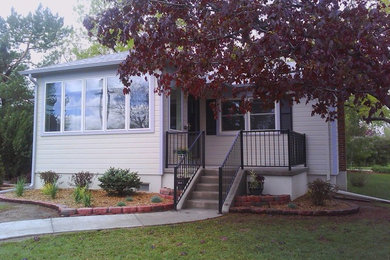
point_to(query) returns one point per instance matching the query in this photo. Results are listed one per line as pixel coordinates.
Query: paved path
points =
(360, 196)
(18, 211)
(23, 228)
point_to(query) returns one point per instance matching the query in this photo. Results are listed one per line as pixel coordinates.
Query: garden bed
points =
(101, 202)
(300, 206)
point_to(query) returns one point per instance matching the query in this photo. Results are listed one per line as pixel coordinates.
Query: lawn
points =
(378, 185)
(235, 236)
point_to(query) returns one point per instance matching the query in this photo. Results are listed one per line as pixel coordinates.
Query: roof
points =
(98, 61)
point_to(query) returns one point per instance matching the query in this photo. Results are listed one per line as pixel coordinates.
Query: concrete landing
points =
(24, 228)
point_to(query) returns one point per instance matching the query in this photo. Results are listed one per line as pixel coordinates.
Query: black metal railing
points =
(260, 148)
(188, 164)
(297, 149)
(176, 145)
(229, 168)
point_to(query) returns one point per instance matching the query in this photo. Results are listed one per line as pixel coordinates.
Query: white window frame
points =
(181, 113)
(246, 119)
(152, 82)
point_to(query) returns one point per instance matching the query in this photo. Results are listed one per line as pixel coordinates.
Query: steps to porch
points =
(205, 193)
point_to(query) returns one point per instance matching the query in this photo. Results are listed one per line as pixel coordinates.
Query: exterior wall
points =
(68, 154)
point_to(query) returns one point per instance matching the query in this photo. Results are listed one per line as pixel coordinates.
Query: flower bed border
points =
(261, 200)
(64, 211)
(352, 209)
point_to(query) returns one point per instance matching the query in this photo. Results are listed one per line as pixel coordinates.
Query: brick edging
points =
(66, 212)
(270, 211)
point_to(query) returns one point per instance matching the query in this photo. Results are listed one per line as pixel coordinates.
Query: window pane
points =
(115, 104)
(257, 107)
(231, 123)
(53, 107)
(94, 104)
(73, 105)
(139, 103)
(175, 109)
(262, 122)
(231, 107)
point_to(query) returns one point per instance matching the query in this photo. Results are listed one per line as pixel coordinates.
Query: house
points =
(83, 122)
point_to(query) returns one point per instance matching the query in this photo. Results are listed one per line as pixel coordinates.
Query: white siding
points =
(317, 138)
(67, 154)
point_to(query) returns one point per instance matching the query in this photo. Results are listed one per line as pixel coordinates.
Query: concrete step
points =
(209, 179)
(206, 187)
(206, 195)
(210, 172)
(203, 204)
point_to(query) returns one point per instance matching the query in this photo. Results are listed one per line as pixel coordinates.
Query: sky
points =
(63, 8)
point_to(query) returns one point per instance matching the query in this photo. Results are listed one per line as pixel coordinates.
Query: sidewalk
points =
(35, 227)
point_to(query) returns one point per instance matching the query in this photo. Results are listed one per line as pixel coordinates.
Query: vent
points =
(144, 187)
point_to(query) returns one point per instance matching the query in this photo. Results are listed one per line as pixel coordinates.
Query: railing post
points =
(175, 188)
(166, 150)
(242, 149)
(304, 150)
(220, 190)
(289, 149)
(203, 150)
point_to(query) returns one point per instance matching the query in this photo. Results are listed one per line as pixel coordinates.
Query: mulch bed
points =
(301, 206)
(99, 198)
(102, 203)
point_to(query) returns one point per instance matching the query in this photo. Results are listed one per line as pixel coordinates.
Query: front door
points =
(193, 122)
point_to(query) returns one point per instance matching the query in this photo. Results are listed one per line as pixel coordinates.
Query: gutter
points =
(34, 131)
(329, 153)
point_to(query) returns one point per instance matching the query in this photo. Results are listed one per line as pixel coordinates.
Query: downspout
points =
(34, 131)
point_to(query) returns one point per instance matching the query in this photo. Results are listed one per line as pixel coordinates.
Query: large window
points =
(175, 106)
(53, 107)
(260, 117)
(96, 104)
(139, 103)
(232, 118)
(73, 90)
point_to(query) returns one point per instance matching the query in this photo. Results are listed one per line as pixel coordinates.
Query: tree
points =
(320, 50)
(20, 37)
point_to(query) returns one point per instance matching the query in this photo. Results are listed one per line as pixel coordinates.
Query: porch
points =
(200, 184)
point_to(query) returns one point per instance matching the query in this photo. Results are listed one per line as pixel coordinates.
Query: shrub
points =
(19, 188)
(292, 205)
(50, 189)
(381, 169)
(49, 177)
(121, 204)
(155, 199)
(78, 194)
(129, 198)
(358, 179)
(320, 191)
(82, 179)
(119, 182)
(86, 197)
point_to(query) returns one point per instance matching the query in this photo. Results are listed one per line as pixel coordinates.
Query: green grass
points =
(378, 185)
(236, 236)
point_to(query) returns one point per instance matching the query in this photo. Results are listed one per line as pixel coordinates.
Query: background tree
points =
(21, 37)
(322, 51)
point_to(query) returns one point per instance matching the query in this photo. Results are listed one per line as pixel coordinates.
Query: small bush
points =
(155, 199)
(49, 177)
(86, 197)
(320, 191)
(129, 198)
(358, 179)
(121, 204)
(50, 189)
(292, 205)
(82, 179)
(78, 194)
(19, 188)
(381, 169)
(119, 182)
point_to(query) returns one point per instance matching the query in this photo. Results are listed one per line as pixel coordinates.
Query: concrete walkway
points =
(35, 227)
(360, 196)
